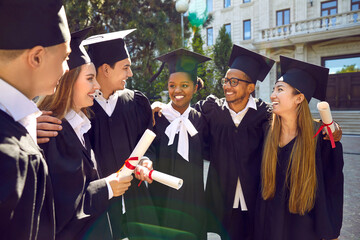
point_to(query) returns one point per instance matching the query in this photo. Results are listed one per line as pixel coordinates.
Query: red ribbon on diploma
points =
(149, 177)
(329, 131)
(128, 164)
(150, 174)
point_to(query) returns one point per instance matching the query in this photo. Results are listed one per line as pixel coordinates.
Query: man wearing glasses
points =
(236, 126)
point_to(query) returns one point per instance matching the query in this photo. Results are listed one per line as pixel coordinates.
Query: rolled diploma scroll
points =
(325, 114)
(163, 178)
(139, 151)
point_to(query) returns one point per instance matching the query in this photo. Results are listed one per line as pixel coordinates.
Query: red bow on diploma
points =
(329, 131)
(128, 164)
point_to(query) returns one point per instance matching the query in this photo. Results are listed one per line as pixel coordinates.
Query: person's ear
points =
(299, 98)
(251, 88)
(35, 56)
(105, 69)
(195, 88)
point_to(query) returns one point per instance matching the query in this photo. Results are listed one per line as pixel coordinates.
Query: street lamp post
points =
(181, 7)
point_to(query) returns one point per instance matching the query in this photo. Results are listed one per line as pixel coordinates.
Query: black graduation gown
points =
(26, 197)
(273, 219)
(113, 139)
(81, 198)
(181, 211)
(235, 152)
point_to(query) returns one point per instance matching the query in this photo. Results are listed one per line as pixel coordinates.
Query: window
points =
(209, 5)
(342, 64)
(209, 34)
(246, 1)
(247, 29)
(228, 29)
(329, 8)
(355, 5)
(227, 3)
(283, 18)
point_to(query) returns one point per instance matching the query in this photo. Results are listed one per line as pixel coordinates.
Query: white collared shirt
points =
(81, 125)
(107, 104)
(237, 118)
(179, 123)
(19, 107)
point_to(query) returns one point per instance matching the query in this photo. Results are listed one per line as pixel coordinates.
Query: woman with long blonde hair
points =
(81, 198)
(302, 179)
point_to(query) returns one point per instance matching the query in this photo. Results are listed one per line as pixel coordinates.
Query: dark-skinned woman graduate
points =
(81, 197)
(178, 150)
(302, 180)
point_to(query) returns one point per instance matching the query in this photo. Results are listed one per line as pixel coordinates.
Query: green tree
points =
(222, 51)
(349, 68)
(158, 31)
(203, 69)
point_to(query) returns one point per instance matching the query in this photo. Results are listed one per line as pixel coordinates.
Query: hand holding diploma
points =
(328, 124)
(139, 172)
(163, 178)
(138, 152)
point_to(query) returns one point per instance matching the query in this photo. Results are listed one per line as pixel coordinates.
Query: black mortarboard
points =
(78, 55)
(25, 24)
(108, 48)
(309, 79)
(256, 66)
(182, 60)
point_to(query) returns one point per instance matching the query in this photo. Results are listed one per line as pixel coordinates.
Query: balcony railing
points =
(312, 25)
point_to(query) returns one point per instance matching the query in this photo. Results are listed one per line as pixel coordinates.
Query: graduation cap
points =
(108, 48)
(256, 66)
(181, 60)
(78, 55)
(25, 24)
(309, 79)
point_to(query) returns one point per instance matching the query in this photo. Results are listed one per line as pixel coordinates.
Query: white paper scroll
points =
(139, 151)
(163, 178)
(325, 114)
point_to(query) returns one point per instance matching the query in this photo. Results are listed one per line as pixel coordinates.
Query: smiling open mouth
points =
(179, 97)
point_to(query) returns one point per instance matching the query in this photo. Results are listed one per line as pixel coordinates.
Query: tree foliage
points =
(204, 71)
(349, 68)
(158, 31)
(222, 51)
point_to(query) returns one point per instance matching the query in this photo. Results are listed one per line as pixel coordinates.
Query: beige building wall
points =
(306, 37)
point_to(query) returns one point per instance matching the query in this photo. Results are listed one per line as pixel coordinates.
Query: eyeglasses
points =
(233, 81)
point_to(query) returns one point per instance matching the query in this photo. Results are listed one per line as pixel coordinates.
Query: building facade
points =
(321, 32)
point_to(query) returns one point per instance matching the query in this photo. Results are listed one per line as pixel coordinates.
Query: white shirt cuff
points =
(110, 191)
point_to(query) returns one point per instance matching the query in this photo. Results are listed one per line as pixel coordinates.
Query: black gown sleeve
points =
(143, 111)
(332, 178)
(80, 197)
(12, 178)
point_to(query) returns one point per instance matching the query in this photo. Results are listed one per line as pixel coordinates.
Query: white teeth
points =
(229, 93)
(179, 97)
(92, 95)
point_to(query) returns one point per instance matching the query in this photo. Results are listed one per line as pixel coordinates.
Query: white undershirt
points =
(237, 118)
(19, 107)
(107, 104)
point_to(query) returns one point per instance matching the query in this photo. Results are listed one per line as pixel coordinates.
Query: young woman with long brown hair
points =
(302, 179)
(81, 198)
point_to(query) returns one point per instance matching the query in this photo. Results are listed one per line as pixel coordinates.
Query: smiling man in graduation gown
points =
(121, 117)
(34, 45)
(236, 125)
